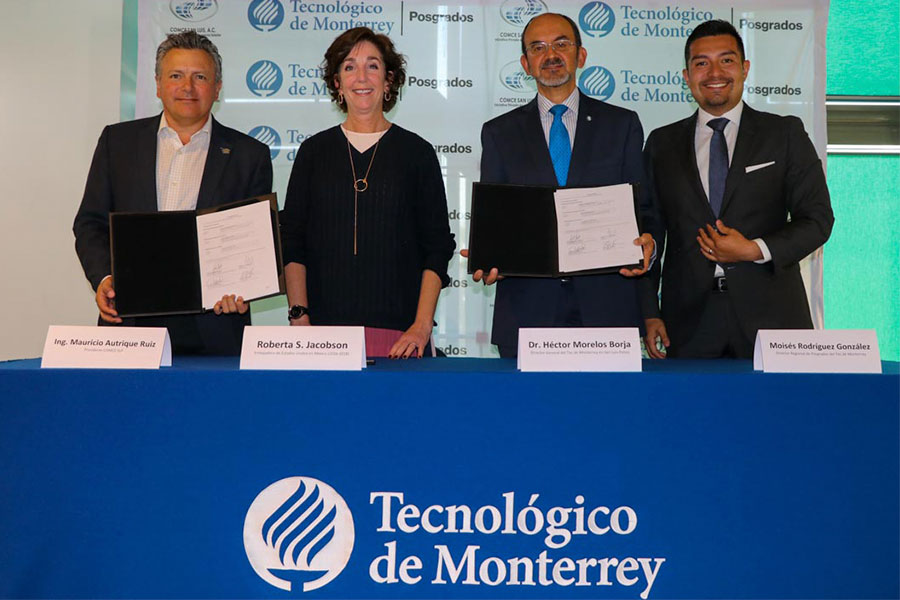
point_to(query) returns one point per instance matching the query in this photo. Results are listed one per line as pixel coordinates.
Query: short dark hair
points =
(710, 28)
(570, 21)
(394, 62)
(188, 40)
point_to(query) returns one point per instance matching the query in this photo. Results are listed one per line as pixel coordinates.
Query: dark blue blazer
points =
(123, 178)
(607, 151)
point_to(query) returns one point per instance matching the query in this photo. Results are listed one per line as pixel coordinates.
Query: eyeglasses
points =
(538, 48)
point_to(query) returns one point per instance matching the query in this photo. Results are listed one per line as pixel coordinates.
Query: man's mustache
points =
(553, 62)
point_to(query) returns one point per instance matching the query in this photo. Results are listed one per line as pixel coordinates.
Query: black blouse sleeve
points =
(293, 216)
(435, 241)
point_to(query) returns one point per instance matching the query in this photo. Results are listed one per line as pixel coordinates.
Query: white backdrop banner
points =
(463, 69)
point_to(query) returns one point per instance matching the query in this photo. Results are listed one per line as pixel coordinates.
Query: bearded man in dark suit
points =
(182, 159)
(601, 146)
(743, 199)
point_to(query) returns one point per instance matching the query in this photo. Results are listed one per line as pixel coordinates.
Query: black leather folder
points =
(156, 262)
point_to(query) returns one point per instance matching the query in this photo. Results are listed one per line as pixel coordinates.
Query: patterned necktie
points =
(560, 150)
(718, 164)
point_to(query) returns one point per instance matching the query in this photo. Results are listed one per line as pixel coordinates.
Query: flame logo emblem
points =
(265, 15)
(514, 78)
(298, 532)
(597, 82)
(597, 19)
(193, 10)
(267, 136)
(519, 12)
(264, 78)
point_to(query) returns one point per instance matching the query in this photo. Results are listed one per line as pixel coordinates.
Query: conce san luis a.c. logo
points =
(298, 534)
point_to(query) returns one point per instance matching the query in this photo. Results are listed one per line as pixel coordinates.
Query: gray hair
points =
(189, 40)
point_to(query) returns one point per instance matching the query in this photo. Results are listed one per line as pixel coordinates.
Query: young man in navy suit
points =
(563, 138)
(743, 199)
(182, 159)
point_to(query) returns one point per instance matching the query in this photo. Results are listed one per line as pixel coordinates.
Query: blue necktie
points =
(718, 164)
(560, 150)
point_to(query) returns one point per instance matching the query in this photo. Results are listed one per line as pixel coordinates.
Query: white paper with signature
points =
(596, 228)
(237, 253)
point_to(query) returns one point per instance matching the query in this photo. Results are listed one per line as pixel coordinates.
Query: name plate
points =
(304, 348)
(580, 349)
(69, 347)
(817, 351)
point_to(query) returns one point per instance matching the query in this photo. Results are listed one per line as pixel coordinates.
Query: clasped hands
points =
(645, 241)
(722, 244)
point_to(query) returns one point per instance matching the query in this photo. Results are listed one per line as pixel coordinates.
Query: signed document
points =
(596, 228)
(236, 250)
(542, 231)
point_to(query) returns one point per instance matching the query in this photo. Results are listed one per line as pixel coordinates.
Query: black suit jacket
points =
(123, 178)
(785, 203)
(607, 151)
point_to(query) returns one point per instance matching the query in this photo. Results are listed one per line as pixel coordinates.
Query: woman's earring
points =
(340, 97)
(387, 96)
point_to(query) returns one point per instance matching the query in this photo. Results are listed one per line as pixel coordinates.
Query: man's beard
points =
(561, 80)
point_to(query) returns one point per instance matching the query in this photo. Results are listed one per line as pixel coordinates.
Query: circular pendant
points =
(360, 185)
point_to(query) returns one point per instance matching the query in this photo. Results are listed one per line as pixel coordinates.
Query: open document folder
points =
(179, 262)
(536, 231)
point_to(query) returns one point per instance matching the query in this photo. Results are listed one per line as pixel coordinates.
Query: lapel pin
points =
(589, 117)
(225, 150)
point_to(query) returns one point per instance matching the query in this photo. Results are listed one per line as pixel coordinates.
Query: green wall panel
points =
(862, 258)
(863, 51)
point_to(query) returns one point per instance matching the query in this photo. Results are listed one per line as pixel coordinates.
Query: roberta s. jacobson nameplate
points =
(310, 348)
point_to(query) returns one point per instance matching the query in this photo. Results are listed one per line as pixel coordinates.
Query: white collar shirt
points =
(569, 118)
(179, 167)
(703, 136)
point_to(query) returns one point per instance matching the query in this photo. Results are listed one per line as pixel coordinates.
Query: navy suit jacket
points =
(783, 199)
(607, 151)
(123, 178)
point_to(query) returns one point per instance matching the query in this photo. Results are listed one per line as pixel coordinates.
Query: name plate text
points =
(580, 349)
(817, 351)
(72, 347)
(304, 348)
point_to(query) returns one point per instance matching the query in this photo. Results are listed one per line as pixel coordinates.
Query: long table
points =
(448, 478)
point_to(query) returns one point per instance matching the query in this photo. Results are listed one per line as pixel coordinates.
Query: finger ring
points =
(709, 250)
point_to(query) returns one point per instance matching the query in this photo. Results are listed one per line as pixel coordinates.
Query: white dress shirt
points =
(569, 118)
(179, 167)
(702, 138)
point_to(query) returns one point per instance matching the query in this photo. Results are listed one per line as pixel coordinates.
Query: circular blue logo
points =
(597, 82)
(299, 534)
(597, 19)
(264, 78)
(193, 10)
(265, 15)
(519, 12)
(514, 78)
(267, 136)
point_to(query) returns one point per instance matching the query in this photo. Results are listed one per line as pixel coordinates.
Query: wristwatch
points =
(297, 311)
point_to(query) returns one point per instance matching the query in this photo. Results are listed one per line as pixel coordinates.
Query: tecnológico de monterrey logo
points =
(265, 15)
(597, 19)
(298, 532)
(597, 82)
